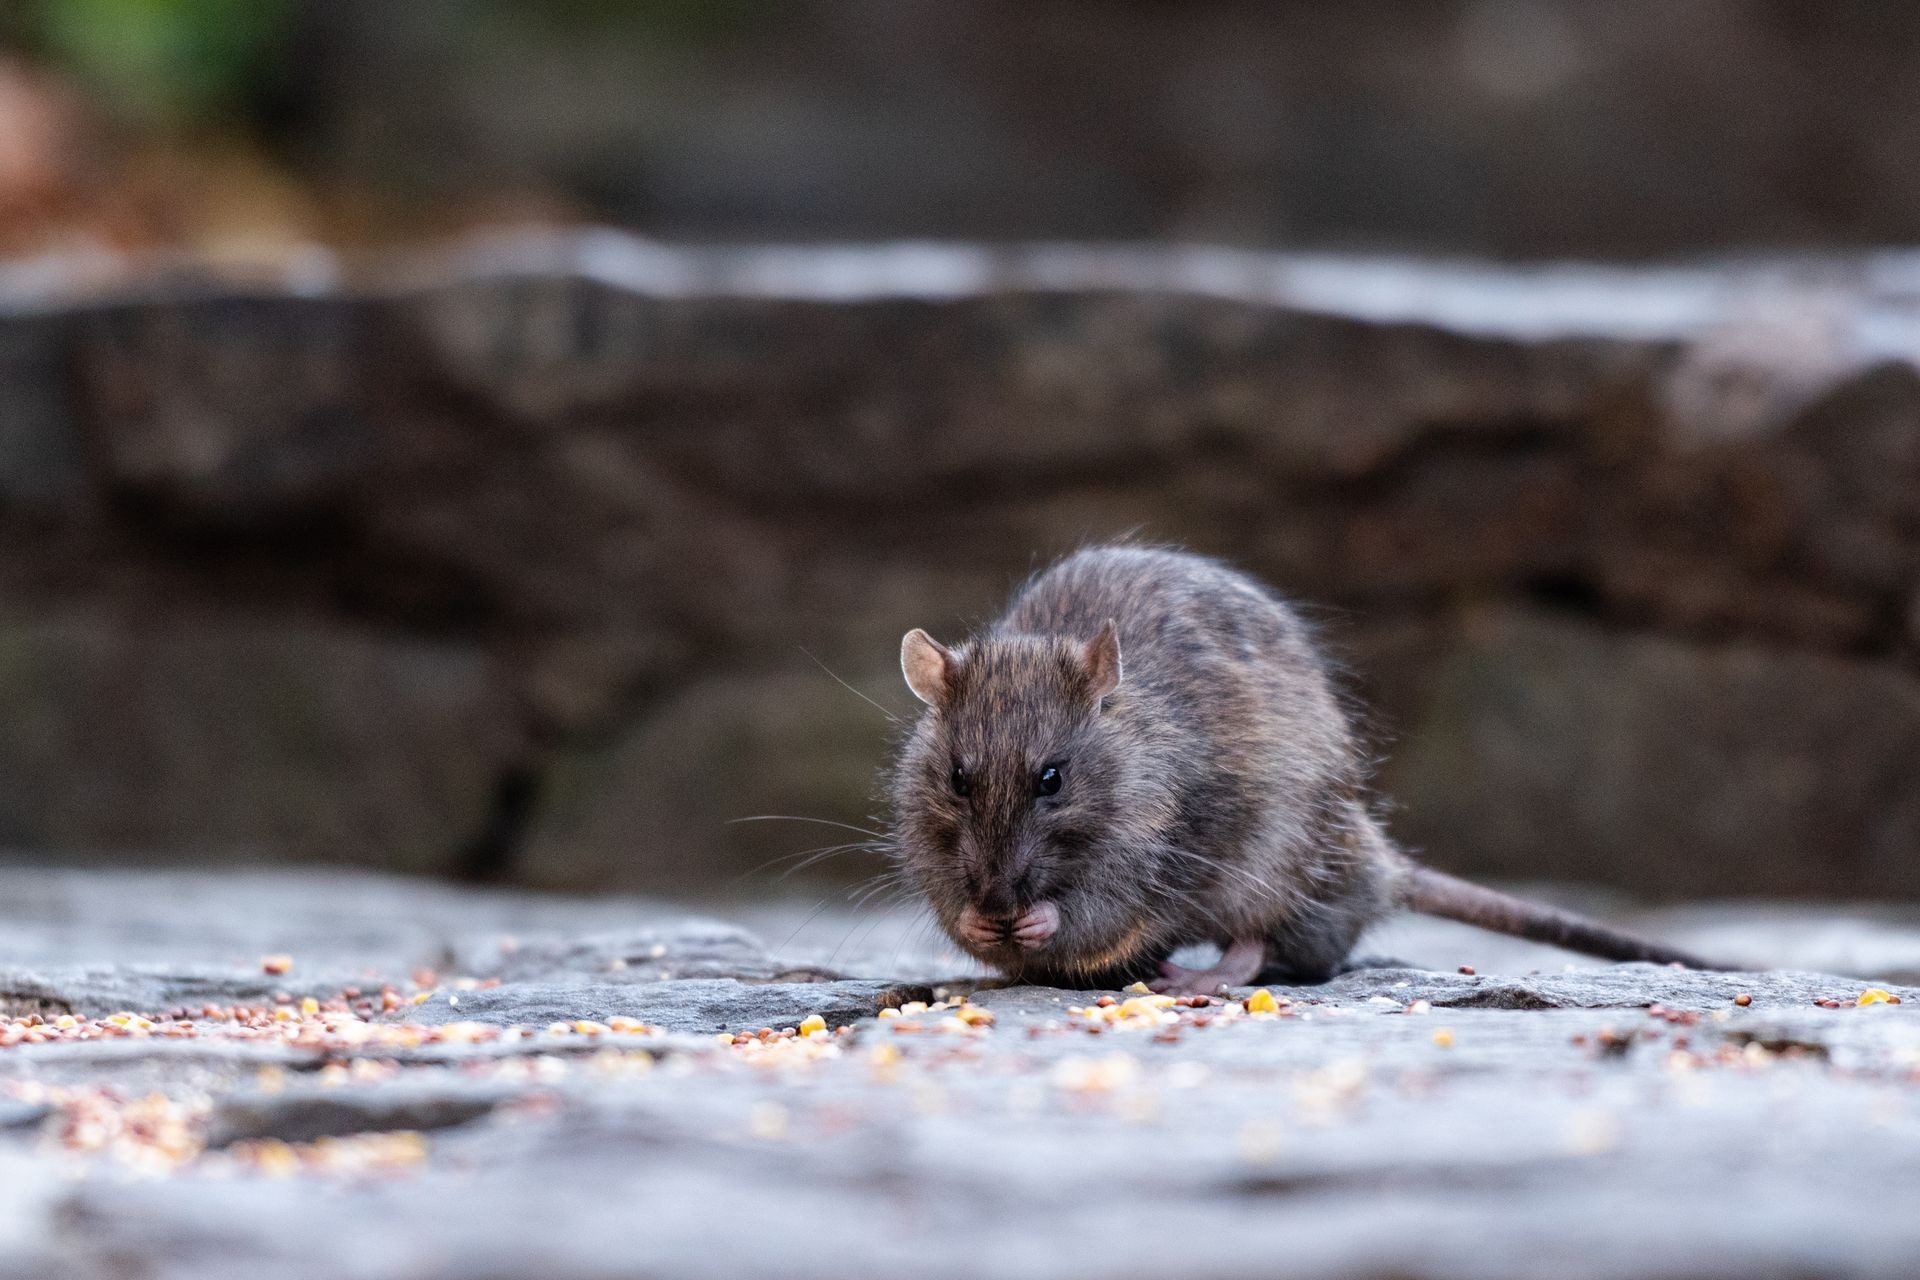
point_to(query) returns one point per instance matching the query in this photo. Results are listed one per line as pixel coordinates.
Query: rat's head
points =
(1004, 794)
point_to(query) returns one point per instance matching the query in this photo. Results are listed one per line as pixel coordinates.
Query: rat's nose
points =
(998, 899)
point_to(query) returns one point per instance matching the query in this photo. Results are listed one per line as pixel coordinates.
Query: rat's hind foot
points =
(1178, 980)
(1235, 967)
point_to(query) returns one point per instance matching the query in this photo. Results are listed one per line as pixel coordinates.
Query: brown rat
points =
(1145, 752)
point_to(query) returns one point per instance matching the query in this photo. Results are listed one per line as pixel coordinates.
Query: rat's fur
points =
(1217, 794)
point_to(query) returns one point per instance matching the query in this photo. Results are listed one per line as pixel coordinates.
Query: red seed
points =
(1467, 969)
(1743, 999)
(1106, 1002)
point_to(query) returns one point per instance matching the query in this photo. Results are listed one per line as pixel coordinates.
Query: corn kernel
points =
(974, 1016)
(812, 1023)
(1262, 1001)
(889, 1013)
(1443, 1038)
(1140, 989)
(310, 1006)
(1875, 995)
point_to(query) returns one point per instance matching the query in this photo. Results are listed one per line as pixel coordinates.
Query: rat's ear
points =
(928, 666)
(1102, 658)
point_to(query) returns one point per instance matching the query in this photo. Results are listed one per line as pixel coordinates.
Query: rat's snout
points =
(1029, 930)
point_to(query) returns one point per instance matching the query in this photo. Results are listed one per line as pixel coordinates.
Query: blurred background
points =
(360, 504)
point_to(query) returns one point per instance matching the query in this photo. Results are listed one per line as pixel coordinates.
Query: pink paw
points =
(1036, 926)
(977, 929)
(1175, 980)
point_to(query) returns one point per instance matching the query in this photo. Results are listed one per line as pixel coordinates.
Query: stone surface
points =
(683, 1004)
(1589, 1120)
(1708, 771)
(269, 738)
(524, 558)
(1547, 129)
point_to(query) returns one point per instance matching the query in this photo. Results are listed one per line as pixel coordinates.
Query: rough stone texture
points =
(1550, 128)
(266, 738)
(1679, 758)
(1772, 1140)
(552, 532)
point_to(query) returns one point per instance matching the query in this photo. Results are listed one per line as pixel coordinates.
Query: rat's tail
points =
(1435, 893)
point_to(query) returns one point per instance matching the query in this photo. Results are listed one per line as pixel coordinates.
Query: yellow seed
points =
(912, 1007)
(1443, 1038)
(423, 997)
(974, 1016)
(814, 1022)
(276, 1159)
(66, 1022)
(310, 1006)
(1140, 989)
(889, 1013)
(1875, 995)
(1262, 1001)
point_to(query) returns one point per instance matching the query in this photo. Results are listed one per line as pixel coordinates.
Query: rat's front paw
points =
(1038, 925)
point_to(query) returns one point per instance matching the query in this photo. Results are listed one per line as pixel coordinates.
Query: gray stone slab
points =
(1603, 1122)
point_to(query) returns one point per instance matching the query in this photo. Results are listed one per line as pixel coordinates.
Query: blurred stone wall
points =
(517, 562)
(1534, 128)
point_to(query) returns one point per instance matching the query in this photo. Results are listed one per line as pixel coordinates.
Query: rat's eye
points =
(962, 784)
(1047, 781)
